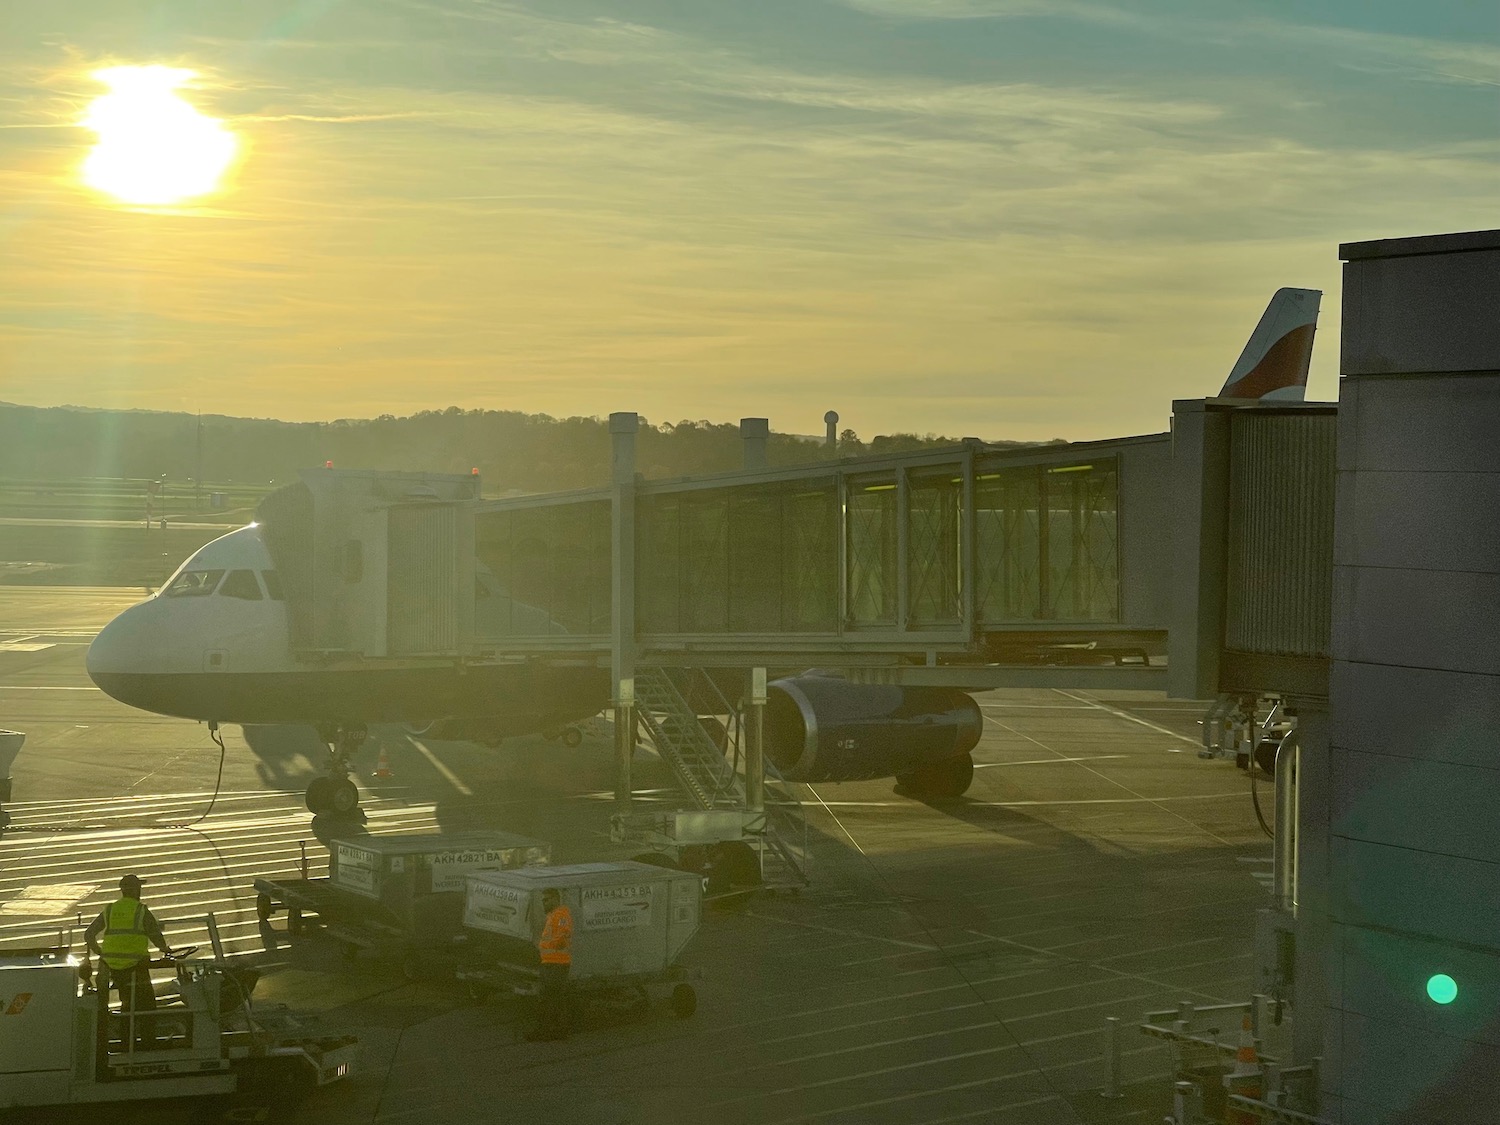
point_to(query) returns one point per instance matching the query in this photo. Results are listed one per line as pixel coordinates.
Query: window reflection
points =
(194, 584)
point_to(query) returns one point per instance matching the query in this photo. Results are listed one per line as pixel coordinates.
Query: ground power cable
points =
(213, 733)
(954, 966)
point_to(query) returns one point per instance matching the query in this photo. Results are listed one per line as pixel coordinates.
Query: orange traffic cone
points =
(1244, 1079)
(383, 766)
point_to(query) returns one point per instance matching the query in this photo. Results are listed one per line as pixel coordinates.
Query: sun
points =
(154, 148)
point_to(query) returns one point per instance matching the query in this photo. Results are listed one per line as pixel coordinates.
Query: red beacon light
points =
(474, 472)
(327, 464)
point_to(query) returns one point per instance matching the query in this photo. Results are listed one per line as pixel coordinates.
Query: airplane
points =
(215, 644)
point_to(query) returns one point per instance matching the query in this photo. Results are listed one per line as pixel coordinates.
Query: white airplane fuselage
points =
(214, 644)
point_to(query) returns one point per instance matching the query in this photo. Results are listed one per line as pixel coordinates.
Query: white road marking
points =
(1048, 761)
(920, 947)
(44, 687)
(448, 775)
(1028, 804)
(1128, 717)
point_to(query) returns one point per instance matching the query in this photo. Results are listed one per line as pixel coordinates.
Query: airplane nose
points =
(117, 658)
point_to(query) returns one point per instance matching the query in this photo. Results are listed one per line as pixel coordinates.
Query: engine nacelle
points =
(825, 729)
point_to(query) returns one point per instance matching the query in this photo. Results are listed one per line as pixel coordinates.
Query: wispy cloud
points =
(585, 214)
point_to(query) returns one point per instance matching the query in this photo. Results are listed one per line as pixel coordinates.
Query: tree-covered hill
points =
(513, 451)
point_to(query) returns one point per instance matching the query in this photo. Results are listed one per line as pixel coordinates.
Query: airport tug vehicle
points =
(61, 1042)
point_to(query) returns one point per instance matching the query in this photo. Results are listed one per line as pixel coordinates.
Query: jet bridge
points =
(1067, 565)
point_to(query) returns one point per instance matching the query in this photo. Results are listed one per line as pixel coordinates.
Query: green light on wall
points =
(1442, 989)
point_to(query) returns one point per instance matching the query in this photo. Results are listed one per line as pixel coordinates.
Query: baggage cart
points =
(631, 923)
(400, 895)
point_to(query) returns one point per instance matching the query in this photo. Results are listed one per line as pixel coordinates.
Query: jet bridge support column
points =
(622, 430)
(755, 759)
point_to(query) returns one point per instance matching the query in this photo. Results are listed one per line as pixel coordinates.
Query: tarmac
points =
(952, 962)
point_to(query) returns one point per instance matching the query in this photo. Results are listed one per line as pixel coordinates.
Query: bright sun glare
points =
(153, 148)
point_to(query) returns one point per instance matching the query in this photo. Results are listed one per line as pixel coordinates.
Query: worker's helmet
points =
(551, 894)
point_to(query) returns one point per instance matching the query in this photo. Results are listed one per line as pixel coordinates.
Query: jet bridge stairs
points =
(735, 846)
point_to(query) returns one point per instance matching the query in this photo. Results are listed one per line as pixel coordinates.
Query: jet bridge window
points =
(193, 584)
(241, 584)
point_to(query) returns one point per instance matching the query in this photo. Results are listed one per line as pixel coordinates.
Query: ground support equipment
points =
(358, 926)
(61, 1044)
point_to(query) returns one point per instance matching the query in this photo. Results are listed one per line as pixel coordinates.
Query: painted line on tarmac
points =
(1048, 761)
(1048, 804)
(924, 948)
(44, 687)
(448, 775)
(1128, 717)
(1160, 803)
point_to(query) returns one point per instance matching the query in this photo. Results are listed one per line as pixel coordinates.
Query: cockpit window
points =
(273, 585)
(193, 584)
(241, 584)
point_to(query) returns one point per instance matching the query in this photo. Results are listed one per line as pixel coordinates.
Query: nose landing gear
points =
(335, 793)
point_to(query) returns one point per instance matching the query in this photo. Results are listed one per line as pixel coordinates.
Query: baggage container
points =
(416, 882)
(631, 922)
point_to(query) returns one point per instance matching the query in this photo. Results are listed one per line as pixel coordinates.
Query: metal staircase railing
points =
(680, 739)
(784, 854)
(710, 778)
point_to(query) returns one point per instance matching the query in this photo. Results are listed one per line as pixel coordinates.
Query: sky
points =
(1019, 219)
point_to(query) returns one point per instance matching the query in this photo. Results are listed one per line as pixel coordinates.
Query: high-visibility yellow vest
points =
(124, 943)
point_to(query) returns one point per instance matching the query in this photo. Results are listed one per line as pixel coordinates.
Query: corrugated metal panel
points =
(422, 582)
(1279, 598)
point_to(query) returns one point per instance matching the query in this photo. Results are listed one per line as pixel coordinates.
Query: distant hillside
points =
(513, 451)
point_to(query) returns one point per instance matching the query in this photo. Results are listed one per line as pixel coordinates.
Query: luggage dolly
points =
(627, 997)
(356, 935)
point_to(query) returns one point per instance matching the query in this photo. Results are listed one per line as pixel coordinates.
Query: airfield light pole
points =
(622, 430)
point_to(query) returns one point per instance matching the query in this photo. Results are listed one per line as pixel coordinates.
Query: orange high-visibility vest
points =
(556, 944)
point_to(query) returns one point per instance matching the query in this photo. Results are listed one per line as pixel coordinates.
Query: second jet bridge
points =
(1053, 554)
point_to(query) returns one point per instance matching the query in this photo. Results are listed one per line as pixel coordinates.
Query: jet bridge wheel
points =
(942, 780)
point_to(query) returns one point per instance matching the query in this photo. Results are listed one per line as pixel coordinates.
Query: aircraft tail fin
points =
(1275, 361)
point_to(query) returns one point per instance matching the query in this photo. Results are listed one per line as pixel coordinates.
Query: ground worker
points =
(556, 949)
(129, 930)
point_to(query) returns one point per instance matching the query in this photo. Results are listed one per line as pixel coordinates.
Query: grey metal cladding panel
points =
(1426, 423)
(422, 595)
(1145, 517)
(1385, 978)
(1394, 1074)
(1280, 559)
(1419, 618)
(1421, 893)
(1422, 521)
(1417, 713)
(1414, 803)
(1434, 313)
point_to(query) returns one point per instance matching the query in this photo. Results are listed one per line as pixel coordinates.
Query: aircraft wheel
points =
(735, 861)
(572, 736)
(943, 780)
(319, 795)
(343, 797)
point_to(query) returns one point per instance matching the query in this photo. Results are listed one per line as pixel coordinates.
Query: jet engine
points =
(826, 729)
